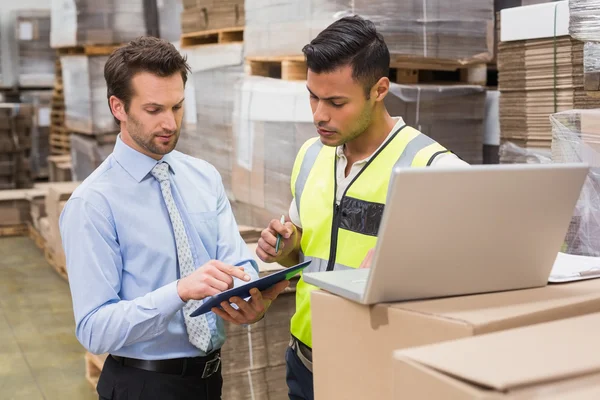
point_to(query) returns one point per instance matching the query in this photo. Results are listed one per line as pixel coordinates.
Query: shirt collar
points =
(136, 164)
(399, 124)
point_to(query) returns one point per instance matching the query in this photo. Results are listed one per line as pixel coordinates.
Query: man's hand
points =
(266, 244)
(252, 310)
(366, 263)
(210, 279)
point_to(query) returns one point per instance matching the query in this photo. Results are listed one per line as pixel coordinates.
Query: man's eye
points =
(153, 111)
(336, 105)
(177, 107)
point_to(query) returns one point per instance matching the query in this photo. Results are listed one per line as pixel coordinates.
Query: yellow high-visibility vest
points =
(339, 237)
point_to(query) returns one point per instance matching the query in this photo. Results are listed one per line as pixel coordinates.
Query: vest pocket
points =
(360, 216)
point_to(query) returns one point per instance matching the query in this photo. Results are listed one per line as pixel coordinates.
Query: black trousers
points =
(118, 382)
(299, 378)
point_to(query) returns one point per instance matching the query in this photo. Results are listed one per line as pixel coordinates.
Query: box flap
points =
(484, 311)
(518, 358)
(535, 22)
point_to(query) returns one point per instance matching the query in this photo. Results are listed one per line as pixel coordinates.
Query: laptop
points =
(464, 230)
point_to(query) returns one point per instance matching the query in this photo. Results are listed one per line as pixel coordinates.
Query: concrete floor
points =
(40, 358)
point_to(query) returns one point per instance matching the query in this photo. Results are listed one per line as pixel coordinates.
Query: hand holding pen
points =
(277, 240)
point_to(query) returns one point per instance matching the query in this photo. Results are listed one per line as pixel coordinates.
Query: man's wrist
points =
(181, 291)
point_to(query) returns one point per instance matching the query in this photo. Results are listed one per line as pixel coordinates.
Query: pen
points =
(282, 220)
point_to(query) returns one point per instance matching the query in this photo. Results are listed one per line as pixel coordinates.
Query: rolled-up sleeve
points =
(104, 322)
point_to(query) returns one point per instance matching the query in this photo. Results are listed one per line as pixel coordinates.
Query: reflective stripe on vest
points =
(357, 219)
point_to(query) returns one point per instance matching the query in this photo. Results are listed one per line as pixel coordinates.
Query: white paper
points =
(44, 116)
(26, 31)
(569, 267)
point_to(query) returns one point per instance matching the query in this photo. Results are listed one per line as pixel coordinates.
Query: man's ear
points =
(118, 108)
(380, 89)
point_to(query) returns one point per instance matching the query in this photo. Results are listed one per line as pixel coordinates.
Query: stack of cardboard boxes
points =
(351, 340)
(540, 73)
(36, 59)
(15, 145)
(584, 26)
(208, 15)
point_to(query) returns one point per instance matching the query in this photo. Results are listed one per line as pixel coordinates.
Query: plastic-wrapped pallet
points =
(208, 130)
(15, 145)
(272, 120)
(576, 138)
(84, 88)
(452, 115)
(36, 59)
(584, 19)
(511, 153)
(40, 133)
(87, 22)
(87, 155)
(458, 31)
(591, 66)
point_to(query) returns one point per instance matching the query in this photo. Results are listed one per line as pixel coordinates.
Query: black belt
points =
(204, 367)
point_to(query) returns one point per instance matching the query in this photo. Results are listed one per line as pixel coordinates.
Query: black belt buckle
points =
(211, 367)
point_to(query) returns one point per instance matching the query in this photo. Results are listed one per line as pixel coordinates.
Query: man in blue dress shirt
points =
(148, 235)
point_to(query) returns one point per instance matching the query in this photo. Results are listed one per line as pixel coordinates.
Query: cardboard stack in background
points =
(453, 115)
(207, 132)
(202, 15)
(254, 356)
(36, 59)
(272, 120)
(15, 145)
(40, 133)
(86, 105)
(459, 32)
(14, 208)
(342, 327)
(87, 115)
(584, 26)
(534, 79)
(90, 22)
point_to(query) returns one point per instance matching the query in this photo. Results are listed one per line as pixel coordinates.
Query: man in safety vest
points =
(340, 178)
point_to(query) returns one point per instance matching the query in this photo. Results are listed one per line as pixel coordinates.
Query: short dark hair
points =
(146, 53)
(350, 41)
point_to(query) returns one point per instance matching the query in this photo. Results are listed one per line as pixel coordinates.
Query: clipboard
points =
(243, 291)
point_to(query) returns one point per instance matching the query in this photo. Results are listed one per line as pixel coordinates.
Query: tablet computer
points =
(244, 291)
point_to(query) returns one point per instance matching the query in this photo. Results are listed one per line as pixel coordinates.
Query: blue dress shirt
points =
(121, 254)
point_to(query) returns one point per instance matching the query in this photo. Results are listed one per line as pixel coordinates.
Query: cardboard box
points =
(349, 338)
(14, 208)
(506, 365)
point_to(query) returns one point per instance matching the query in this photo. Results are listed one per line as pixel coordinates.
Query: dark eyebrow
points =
(328, 98)
(160, 105)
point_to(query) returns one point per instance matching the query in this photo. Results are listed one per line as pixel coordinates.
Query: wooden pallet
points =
(89, 50)
(93, 367)
(294, 68)
(36, 236)
(60, 269)
(214, 36)
(13, 230)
